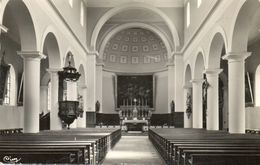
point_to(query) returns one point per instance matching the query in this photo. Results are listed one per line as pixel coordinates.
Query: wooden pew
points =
(188, 153)
(91, 145)
(225, 159)
(10, 131)
(166, 141)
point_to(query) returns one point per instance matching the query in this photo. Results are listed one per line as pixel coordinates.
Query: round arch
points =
(135, 25)
(25, 24)
(199, 66)
(217, 43)
(51, 49)
(240, 25)
(187, 75)
(130, 6)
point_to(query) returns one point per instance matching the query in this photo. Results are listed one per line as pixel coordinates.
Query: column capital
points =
(236, 56)
(3, 28)
(93, 53)
(31, 54)
(44, 87)
(210, 71)
(177, 54)
(100, 64)
(197, 81)
(169, 63)
(53, 70)
(187, 86)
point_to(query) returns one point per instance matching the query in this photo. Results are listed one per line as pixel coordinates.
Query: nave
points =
(107, 146)
(136, 150)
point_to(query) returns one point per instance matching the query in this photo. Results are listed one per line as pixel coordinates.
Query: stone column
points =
(99, 83)
(236, 90)
(44, 99)
(31, 98)
(81, 121)
(55, 122)
(213, 98)
(187, 119)
(170, 66)
(197, 105)
(179, 92)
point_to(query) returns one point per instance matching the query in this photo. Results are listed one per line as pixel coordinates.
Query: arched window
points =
(199, 3)
(71, 3)
(7, 89)
(10, 88)
(49, 96)
(188, 14)
(82, 14)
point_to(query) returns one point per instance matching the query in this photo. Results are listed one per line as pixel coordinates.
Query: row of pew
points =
(10, 131)
(75, 146)
(180, 146)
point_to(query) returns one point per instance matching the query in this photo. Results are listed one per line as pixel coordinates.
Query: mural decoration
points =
(135, 87)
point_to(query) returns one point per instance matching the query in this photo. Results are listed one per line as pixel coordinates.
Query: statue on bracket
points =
(172, 104)
(189, 105)
(97, 106)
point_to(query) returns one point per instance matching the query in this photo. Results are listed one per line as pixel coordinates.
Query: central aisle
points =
(133, 150)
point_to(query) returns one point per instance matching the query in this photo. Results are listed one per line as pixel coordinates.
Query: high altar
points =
(134, 100)
(135, 118)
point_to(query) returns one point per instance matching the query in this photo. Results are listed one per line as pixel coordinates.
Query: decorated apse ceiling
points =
(135, 50)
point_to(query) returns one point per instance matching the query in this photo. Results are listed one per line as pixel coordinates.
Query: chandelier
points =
(69, 73)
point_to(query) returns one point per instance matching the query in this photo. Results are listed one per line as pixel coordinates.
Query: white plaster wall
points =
(108, 105)
(161, 105)
(197, 15)
(11, 117)
(72, 16)
(252, 118)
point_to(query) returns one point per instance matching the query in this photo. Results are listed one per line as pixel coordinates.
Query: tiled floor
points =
(133, 150)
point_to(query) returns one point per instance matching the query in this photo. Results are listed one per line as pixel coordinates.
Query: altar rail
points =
(142, 112)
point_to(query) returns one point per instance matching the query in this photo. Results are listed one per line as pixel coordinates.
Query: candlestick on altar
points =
(124, 102)
(135, 101)
(145, 102)
(127, 102)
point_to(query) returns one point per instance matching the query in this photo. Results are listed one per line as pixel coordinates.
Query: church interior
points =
(149, 82)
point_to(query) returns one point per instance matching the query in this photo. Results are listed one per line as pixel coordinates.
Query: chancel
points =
(130, 82)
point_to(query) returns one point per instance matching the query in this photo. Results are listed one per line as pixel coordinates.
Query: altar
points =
(135, 125)
(135, 117)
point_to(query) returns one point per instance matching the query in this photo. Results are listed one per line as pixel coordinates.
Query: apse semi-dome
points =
(135, 50)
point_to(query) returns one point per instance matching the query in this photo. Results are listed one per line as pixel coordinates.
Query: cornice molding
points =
(155, 3)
